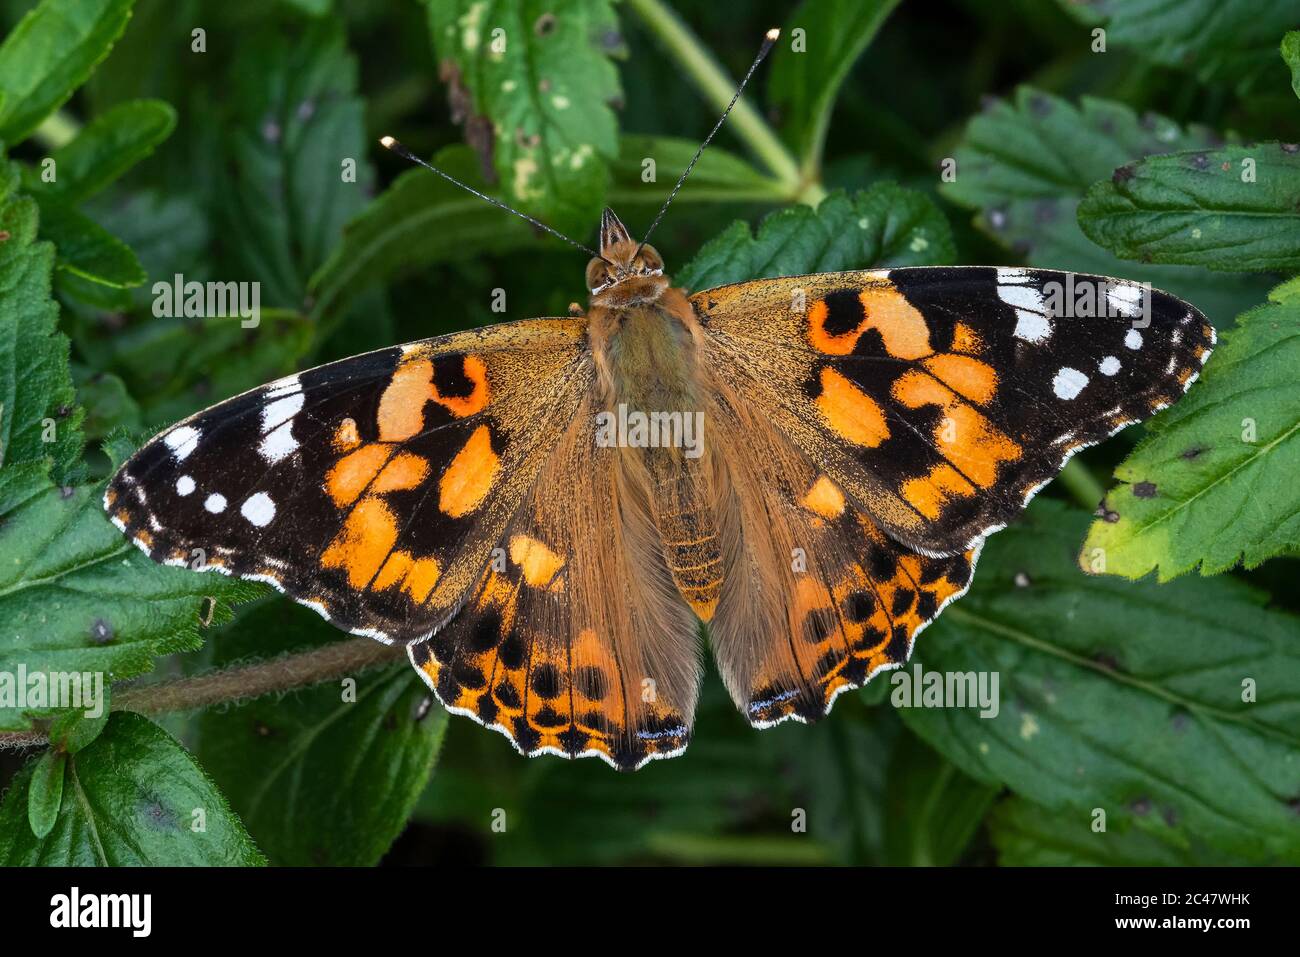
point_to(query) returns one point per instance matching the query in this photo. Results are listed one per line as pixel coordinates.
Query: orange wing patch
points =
(850, 412)
(470, 476)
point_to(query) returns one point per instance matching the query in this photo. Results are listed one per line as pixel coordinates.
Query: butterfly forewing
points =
(941, 399)
(371, 489)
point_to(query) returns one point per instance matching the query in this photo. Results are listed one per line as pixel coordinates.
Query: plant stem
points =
(285, 673)
(718, 89)
(1081, 485)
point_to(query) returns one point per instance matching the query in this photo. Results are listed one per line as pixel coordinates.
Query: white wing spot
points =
(184, 485)
(258, 509)
(215, 503)
(1032, 327)
(280, 410)
(279, 443)
(1068, 383)
(1124, 299)
(1108, 365)
(182, 440)
(1133, 339)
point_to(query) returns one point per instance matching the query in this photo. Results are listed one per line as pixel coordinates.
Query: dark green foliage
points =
(1141, 720)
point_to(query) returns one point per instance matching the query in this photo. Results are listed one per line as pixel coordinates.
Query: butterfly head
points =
(625, 272)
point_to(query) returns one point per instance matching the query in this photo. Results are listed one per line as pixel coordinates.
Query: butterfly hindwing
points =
(816, 598)
(940, 399)
(574, 641)
(370, 489)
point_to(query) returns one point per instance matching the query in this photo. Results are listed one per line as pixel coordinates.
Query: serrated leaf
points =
(318, 779)
(133, 797)
(77, 597)
(104, 150)
(1217, 40)
(1291, 56)
(1231, 209)
(299, 125)
(49, 54)
(884, 226)
(1124, 696)
(39, 420)
(805, 83)
(87, 249)
(45, 794)
(539, 72)
(1214, 482)
(1028, 835)
(1027, 164)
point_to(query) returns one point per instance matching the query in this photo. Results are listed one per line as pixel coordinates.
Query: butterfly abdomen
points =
(654, 406)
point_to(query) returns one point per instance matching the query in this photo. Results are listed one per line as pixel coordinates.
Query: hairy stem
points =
(718, 88)
(285, 673)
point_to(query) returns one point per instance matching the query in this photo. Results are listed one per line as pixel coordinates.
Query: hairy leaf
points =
(533, 83)
(1026, 165)
(1217, 40)
(1291, 55)
(886, 225)
(1028, 835)
(1231, 209)
(299, 152)
(806, 79)
(1214, 481)
(39, 420)
(132, 797)
(1175, 708)
(49, 54)
(327, 775)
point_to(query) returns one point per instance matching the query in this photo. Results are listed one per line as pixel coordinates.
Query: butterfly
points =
(544, 511)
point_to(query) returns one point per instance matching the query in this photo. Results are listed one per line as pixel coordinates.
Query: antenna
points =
(768, 40)
(391, 144)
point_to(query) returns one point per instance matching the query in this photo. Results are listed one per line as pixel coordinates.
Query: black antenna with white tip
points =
(769, 39)
(390, 143)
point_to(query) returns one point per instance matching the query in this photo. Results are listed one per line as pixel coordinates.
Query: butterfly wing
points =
(941, 399)
(371, 489)
(816, 598)
(574, 640)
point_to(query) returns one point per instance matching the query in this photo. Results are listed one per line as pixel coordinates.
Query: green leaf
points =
(1214, 481)
(87, 249)
(1028, 835)
(46, 793)
(1124, 696)
(718, 177)
(885, 226)
(73, 729)
(1291, 54)
(932, 808)
(537, 80)
(805, 82)
(418, 220)
(39, 420)
(133, 797)
(77, 597)
(1232, 209)
(105, 149)
(1027, 164)
(299, 156)
(327, 775)
(1217, 40)
(49, 54)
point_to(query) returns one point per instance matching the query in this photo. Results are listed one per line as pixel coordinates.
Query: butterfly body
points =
(544, 511)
